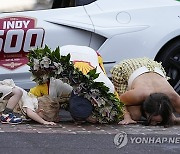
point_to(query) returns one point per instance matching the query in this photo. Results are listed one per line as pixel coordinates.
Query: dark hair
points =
(158, 104)
(80, 108)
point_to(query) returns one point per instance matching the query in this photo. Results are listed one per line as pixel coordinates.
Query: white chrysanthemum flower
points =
(45, 77)
(59, 67)
(95, 92)
(112, 115)
(87, 96)
(36, 64)
(105, 112)
(45, 62)
(98, 101)
(101, 101)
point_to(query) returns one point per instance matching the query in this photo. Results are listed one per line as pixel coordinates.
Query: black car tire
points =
(170, 58)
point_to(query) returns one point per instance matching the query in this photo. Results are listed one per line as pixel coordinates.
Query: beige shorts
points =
(6, 90)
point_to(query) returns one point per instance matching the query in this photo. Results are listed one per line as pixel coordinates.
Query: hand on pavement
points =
(49, 123)
(127, 121)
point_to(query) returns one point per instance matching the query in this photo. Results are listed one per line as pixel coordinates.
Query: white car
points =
(117, 29)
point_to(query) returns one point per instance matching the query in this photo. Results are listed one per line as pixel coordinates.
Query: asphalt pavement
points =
(69, 138)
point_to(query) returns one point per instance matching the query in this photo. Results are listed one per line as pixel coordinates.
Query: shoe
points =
(10, 119)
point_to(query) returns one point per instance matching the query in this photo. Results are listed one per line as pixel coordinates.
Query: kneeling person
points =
(82, 108)
(9, 98)
(142, 85)
(42, 110)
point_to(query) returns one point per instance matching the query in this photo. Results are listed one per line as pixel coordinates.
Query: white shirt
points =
(87, 54)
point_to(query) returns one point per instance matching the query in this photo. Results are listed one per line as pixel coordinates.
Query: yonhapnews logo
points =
(121, 139)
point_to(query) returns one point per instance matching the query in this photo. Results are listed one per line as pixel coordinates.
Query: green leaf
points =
(46, 50)
(76, 78)
(92, 74)
(57, 53)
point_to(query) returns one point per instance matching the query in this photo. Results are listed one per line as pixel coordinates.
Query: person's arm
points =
(176, 120)
(67, 89)
(175, 100)
(133, 97)
(127, 118)
(34, 116)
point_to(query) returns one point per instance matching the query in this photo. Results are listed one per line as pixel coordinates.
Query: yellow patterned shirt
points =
(122, 71)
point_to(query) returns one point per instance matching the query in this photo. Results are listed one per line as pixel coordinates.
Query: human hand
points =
(175, 120)
(127, 121)
(49, 123)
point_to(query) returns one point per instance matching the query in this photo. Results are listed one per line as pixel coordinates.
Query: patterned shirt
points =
(122, 71)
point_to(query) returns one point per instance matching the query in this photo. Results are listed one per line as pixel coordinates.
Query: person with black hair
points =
(92, 106)
(79, 75)
(80, 108)
(158, 109)
(143, 87)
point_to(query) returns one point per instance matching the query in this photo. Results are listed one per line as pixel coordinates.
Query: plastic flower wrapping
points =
(45, 64)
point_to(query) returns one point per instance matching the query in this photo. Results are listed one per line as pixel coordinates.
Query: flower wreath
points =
(45, 64)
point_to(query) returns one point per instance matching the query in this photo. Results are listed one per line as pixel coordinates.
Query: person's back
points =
(143, 77)
(152, 83)
(86, 59)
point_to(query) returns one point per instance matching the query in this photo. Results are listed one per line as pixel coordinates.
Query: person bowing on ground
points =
(142, 85)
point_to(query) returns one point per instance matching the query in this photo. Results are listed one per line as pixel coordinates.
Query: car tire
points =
(170, 58)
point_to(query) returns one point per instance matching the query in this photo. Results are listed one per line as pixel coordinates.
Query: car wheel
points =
(170, 59)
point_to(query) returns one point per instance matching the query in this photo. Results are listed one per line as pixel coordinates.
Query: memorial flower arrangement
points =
(45, 64)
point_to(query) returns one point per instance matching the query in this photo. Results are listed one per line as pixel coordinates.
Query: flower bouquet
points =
(45, 64)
